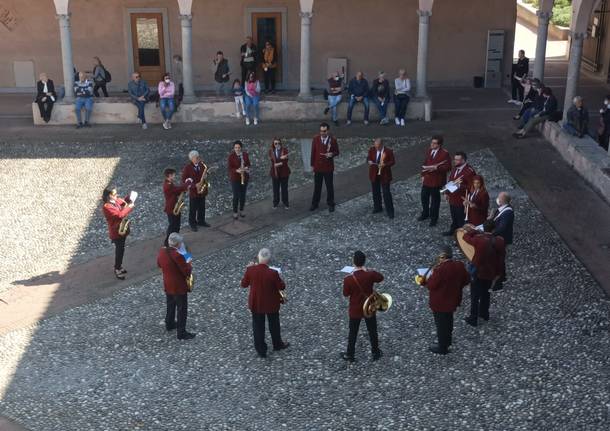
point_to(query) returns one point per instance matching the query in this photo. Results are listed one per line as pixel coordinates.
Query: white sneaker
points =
(518, 103)
(238, 114)
(397, 121)
(247, 121)
(169, 124)
(244, 113)
(165, 125)
(348, 123)
(256, 121)
(366, 122)
(144, 126)
(402, 122)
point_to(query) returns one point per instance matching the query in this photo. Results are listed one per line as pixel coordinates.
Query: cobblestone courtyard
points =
(542, 362)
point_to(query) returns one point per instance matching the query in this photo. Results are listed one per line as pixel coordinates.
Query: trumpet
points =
(124, 226)
(179, 204)
(203, 185)
(381, 163)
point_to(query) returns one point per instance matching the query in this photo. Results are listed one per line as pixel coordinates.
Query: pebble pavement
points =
(540, 363)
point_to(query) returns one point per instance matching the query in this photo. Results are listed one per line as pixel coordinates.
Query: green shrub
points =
(562, 11)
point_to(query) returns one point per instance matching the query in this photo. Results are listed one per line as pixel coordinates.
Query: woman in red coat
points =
(476, 202)
(279, 172)
(239, 174)
(115, 210)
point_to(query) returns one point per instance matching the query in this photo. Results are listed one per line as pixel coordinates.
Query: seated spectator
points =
(402, 86)
(335, 88)
(534, 108)
(358, 90)
(549, 108)
(380, 93)
(138, 91)
(238, 96)
(252, 97)
(83, 92)
(603, 131)
(45, 97)
(530, 89)
(167, 91)
(100, 78)
(577, 121)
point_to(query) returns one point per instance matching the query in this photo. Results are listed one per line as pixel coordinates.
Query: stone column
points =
(305, 85)
(573, 70)
(422, 53)
(66, 56)
(543, 32)
(186, 22)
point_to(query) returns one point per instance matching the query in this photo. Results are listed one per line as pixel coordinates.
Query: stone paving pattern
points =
(540, 363)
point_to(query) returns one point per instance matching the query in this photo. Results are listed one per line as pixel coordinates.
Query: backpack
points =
(108, 75)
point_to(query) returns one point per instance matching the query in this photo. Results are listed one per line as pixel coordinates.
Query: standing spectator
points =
(83, 91)
(577, 123)
(45, 97)
(380, 93)
(402, 86)
(358, 90)
(167, 91)
(177, 74)
(549, 108)
(248, 58)
(222, 73)
(252, 97)
(100, 78)
(335, 88)
(603, 130)
(238, 96)
(269, 66)
(138, 91)
(520, 71)
(278, 154)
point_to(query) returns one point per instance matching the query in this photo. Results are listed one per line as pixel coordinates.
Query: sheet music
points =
(451, 186)
(276, 268)
(133, 196)
(347, 269)
(422, 271)
(479, 228)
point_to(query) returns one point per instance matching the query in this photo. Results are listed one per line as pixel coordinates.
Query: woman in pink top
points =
(167, 90)
(252, 97)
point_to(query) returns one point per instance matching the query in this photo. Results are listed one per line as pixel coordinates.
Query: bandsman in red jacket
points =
(239, 175)
(358, 286)
(476, 202)
(192, 173)
(461, 175)
(381, 160)
(175, 270)
(433, 176)
(324, 149)
(172, 192)
(279, 172)
(488, 266)
(115, 210)
(445, 283)
(264, 299)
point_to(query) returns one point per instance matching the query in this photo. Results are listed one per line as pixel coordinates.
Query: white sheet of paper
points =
(451, 186)
(275, 268)
(422, 271)
(347, 269)
(480, 227)
(133, 196)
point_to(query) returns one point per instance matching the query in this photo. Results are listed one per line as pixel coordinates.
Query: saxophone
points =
(124, 226)
(203, 186)
(179, 204)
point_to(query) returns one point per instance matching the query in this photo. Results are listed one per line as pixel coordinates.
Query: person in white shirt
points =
(402, 86)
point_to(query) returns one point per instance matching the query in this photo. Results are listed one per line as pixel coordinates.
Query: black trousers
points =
(280, 184)
(327, 177)
(239, 195)
(444, 329)
(179, 302)
(99, 85)
(371, 327)
(45, 109)
(378, 189)
(173, 226)
(270, 79)
(119, 252)
(196, 210)
(479, 298)
(603, 140)
(258, 329)
(517, 89)
(430, 202)
(457, 217)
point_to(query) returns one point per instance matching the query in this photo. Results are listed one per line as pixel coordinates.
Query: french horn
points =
(376, 302)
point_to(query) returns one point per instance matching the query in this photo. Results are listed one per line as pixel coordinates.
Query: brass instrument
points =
(381, 163)
(242, 172)
(421, 280)
(283, 297)
(190, 282)
(203, 186)
(124, 226)
(179, 204)
(376, 302)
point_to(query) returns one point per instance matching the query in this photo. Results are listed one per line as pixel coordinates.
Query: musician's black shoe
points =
(313, 208)
(346, 357)
(171, 326)
(438, 350)
(204, 224)
(377, 355)
(118, 274)
(262, 355)
(448, 233)
(433, 223)
(471, 321)
(485, 317)
(282, 346)
(375, 211)
(186, 336)
(422, 218)
(123, 270)
(331, 208)
(194, 227)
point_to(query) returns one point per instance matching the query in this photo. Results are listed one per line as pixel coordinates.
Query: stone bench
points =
(585, 155)
(118, 110)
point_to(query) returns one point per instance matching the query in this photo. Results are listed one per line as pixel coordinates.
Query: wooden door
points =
(267, 26)
(148, 47)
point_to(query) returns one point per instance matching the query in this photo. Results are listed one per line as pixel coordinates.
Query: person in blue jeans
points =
(335, 88)
(167, 91)
(138, 91)
(577, 123)
(83, 90)
(252, 97)
(358, 90)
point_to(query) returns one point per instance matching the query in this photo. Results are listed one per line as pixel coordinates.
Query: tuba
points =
(376, 302)
(179, 204)
(124, 226)
(203, 186)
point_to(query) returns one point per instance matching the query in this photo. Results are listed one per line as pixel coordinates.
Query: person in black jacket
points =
(520, 71)
(45, 96)
(503, 218)
(603, 131)
(549, 108)
(577, 123)
(249, 58)
(380, 94)
(530, 89)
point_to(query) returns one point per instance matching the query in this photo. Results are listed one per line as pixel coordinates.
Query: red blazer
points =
(358, 292)
(436, 178)
(455, 198)
(319, 162)
(114, 213)
(265, 284)
(171, 193)
(282, 171)
(175, 271)
(478, 214)
(386, 170)
(446, 284)
(190, 171)
(488, 260)
(234, 163)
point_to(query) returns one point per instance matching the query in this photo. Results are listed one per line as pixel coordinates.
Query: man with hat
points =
(380, 94)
